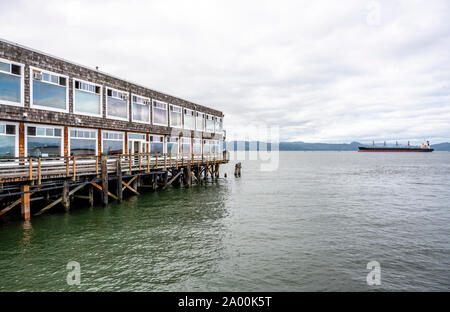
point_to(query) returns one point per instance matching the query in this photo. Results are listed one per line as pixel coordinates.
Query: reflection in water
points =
(27, 233)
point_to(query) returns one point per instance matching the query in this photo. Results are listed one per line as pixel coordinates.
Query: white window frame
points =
(22, 83)
(153, 114)
(16, 149)
(201, 145)
(66, 110)
(163, 142)
(83, 129)
(75, 104)
(149, 111)
(128, 104)
(42, 126)
(177, 142)
(170, 116)
(204, 121)
(194, 116)
(216, 121)
(182, 143)
(111, 131)
(208, 142)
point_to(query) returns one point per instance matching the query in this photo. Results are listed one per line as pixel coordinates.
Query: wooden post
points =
(237, 170)
(130, 163)
(165, 162)
(67, 166)
(39, 171)
(155, 181)
(74, 169)
(217, 171)
(25, 202)
(104, 169)
(119, 180)
(65, 196)
(91, 195)
(31, 168)
(188, 174)
(148, 162)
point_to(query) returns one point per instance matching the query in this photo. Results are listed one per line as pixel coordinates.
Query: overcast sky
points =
(324, 71)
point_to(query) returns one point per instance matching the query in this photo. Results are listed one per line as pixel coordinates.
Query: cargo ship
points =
(423, 148)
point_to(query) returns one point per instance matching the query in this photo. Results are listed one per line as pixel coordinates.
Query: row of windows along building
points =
(51, 107)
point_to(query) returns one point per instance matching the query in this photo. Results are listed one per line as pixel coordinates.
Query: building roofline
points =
(99, 71)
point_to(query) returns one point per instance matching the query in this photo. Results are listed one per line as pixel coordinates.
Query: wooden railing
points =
(38, 168)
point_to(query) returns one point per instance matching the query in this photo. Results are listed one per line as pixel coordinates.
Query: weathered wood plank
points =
(130, 188)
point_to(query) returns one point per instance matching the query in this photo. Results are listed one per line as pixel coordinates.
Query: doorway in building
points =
(137, 144)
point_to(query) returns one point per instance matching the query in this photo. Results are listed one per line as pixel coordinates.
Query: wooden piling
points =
(65, 196)
(237, 170)
(217, 171)
(104, 172)
(119, 180)
(91, 195)
(188, 180)
(25, 202)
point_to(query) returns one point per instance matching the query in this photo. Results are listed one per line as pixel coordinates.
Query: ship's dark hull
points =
(395, 149)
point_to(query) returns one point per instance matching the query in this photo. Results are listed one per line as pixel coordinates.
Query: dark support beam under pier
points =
(104, 171)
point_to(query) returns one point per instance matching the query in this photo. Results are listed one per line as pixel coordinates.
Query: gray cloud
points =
(319, 69)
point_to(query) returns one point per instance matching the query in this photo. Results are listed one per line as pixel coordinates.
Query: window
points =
(49, 90)
(82, 142)
(200, 122)
(159, 113)
(189, 119)
(136, 136)
(175, 117)
(116, 104)
(209, 123)
(220, 125)
(87, 98)
(156, 144)
(44, 141)
(206, 147)
(197, 147)
(217, 124)
(186, 146)
(172, 146)
(8, 140)
(215, 147)
(112, 142)
(141, 109)
(11, 83)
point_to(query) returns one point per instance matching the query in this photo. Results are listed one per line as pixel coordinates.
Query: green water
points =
(313, 224)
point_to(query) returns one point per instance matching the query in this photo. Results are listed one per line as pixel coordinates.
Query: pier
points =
(53, 181)
(68, 132)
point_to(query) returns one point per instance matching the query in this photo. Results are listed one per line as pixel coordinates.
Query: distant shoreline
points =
(301, 146)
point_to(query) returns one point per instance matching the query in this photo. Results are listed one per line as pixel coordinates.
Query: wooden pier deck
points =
(52, 181)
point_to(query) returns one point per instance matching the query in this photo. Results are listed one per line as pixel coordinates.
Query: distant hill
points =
(441, 146)
(302, 146)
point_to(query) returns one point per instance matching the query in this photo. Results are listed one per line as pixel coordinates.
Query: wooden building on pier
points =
(64, 126)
